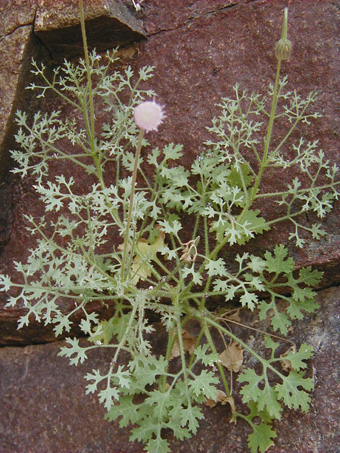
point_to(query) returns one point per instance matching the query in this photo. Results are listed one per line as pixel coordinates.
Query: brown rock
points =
(108, 24)
(212, 49)
(200, 50)
(17, 47)
(9, 75)
(15, 14)
(45, 409)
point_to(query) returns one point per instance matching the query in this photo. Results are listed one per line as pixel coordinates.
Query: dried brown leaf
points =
(233, 315)
(223, 399)
(189, 342)
(232, 357)
(190, 252)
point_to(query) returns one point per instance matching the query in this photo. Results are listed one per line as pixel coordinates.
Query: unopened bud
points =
(283, 47)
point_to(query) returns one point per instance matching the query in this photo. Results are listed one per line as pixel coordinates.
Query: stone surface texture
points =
(16, 44)
(109, 24)
(44, 407)
(199, 49)
(56, 24)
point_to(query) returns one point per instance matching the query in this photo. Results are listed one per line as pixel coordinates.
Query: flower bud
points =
(283, 47)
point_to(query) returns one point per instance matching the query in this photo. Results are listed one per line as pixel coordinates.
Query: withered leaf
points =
(232, 357)
(189, 342)
(223, 399)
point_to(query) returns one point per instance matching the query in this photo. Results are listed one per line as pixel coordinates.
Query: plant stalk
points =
(88, 73)
(132, 194)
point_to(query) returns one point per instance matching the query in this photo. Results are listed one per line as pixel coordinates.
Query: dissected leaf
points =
(158, 445)
(278, 261)
(240, 176)
(190, 417)
(106, 330)
(292, 391)
(295, 360)
(259, 390)
(261, 438)
(216, 268)
(204, 384)
(241, 231)
(126, 409)
(146, 370)
(204, 354)
(263, 435)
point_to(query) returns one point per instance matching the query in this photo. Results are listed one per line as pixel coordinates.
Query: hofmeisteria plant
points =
(122, 244)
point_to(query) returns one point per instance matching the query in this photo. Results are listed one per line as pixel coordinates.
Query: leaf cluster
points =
(157, 266)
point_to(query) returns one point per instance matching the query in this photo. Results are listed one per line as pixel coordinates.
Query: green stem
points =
(126, 334)
(264, 362)
(91, 127)
(88, 72)
(269, 134)
(219, 365)
(182, 354)
(264, 160)
(128, 224)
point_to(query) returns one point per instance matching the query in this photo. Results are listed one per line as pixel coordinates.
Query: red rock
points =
(108, 24)
(200, 50)
(45, 409)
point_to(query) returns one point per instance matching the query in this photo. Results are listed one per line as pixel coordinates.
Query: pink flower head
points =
(149, 115)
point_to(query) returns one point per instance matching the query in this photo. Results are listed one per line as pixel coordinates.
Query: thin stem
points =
(182, 354)
(88, 72)
(128, 224)
(219, 365)
(269, 131)
(263, 361)
(171, 340)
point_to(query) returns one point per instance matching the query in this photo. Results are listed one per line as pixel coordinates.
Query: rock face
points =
(17, 46)
(109, 24)
(199, 49)
(56, 24)
(45, 409)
